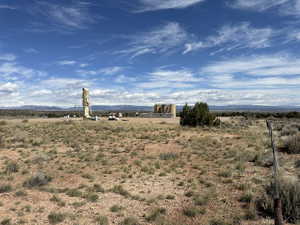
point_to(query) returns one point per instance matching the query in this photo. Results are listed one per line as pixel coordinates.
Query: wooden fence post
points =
(277, 201)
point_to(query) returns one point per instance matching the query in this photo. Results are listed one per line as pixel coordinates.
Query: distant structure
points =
(86, 103)
(162, 111)
(166, 109)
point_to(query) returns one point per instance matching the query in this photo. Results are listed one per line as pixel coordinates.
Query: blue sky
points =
(141, 52)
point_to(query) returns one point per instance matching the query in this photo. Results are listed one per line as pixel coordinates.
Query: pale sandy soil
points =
(159, 164)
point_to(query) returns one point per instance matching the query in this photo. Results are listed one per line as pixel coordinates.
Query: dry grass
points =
(144, 171)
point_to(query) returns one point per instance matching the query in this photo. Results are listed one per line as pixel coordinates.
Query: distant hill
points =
(241, 108)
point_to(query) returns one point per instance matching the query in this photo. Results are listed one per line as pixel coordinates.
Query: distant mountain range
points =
(150, 108)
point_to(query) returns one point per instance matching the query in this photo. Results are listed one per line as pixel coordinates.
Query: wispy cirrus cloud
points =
(160, 40)
(228, 81)
(257, 5)
(104, 71)
(284, 7)
(231, 37)
(257, 65)
(170, 79)
(255, 72)
(153, 5)
(111, 70)
(125, 79)
(31, 51)
(7, 57)
(66, 62)
(68, 16)
(291, 8)
(14, 71)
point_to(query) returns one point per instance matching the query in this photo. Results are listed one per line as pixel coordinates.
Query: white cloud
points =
(125, 79)
(31, 51)
(292, 8)
(231, 37)
(73, 16)
(67, 62)
(257, 5)
(162, 39)
(67, 92)
(8, 88)
(182, 75)
(182, 78)
(66, 83)
(164, 84)
(152, 5)
(111, 70)
(83, 65)
(293, 35)
(265, 65)
(284, 7)
(104, 71)
(7, 57)
(41, 92)
(229, 82)
(13, 71)
(9, 94)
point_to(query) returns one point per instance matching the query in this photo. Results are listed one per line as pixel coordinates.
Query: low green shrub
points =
(290, 199)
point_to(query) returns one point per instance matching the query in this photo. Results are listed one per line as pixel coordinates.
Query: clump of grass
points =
(288, 131)
(292, 144)
(59, 201)
(168, 156)
(297, 164)
(92, 197)
(130, 221)
(225, 173)
(12, 167)
(20, 193)
(155, 214)
(118, 189)
(55, 218)
(251, 213)
(5, 188)
(74, 193)
(116, 208)
(191, 211)
(290, 199)
(189, 194)
(102, 220)
(170, 197)
(3, 123)
(246, 197)
(242, 186)
(98, 188)
(6, 221)
(218, 222)
(201, 200)
(39, 179)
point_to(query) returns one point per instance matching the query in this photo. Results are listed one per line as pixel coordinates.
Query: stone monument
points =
(86, 103)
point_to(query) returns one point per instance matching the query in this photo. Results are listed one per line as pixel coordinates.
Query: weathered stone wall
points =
(165, 109)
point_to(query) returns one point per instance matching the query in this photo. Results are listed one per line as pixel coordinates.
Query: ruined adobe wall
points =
(165, 109)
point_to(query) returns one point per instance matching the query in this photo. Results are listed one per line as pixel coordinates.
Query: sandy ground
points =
(158, 163)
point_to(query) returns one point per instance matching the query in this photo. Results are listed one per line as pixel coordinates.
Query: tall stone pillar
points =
(173, 110)
(86, 103)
